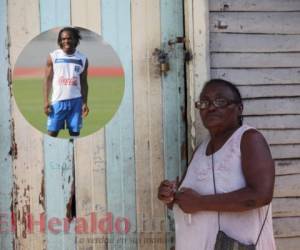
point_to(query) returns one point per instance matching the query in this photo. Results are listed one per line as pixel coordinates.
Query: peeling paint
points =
(42, 192)
(225, 7)
(13, 218)
(71, 205)
(221, 25)
(9, 81)
(13, 206)
(24, 223)
(13, 152)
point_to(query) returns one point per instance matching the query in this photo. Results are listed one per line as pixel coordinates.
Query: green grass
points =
(105, 95)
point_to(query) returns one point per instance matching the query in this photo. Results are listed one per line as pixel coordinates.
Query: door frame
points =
(196, 18)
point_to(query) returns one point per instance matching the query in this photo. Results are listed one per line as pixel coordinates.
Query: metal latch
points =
(163, 60)
(162, 55)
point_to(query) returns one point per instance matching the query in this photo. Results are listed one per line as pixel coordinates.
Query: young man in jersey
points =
(66, 76)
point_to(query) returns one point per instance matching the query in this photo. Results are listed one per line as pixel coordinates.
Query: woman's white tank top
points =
(199, 230)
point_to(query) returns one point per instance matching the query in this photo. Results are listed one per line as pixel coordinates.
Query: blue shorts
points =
(66, 113)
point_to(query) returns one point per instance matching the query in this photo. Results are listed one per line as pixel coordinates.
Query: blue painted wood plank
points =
(54, 13)
(173, 88)
(174, 121)
(58, 153)
(59, 181)
(6, 238)
(120, 168)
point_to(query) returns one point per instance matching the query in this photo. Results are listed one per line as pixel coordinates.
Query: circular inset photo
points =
(68, 82)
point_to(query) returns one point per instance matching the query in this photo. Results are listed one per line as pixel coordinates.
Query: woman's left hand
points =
(188, 200)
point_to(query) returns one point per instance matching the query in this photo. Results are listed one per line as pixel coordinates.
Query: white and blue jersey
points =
(66, 75)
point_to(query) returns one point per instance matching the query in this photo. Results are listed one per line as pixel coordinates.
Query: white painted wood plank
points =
(287, 186)
(274, 106)
(254, 5)
(86, 14)
(24, 25)
(257, 22)
(286, 167)
(290, 243)
(256, 91)
(282, 136)
(284, 207)
(28, 166)
(198, 70)
(224, 42)
(255, 60)
(90, 186)
(258, 76)
(285, 151)
(28, 171)
(286, 227)
(89, 151)
(276, 121)
(147, 119)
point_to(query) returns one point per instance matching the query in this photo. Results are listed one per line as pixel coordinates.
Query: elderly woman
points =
(229, 182)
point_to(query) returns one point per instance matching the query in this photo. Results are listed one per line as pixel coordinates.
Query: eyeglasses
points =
(218, 103)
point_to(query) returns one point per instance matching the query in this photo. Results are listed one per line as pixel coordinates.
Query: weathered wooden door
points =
(114, 173)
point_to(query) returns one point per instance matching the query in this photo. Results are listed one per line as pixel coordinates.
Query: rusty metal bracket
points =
(179, 39)
(188, 55)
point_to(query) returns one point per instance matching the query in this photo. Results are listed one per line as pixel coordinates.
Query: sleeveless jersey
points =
(66, 75)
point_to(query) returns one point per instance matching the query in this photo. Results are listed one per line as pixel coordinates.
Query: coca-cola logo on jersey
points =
(67, 81)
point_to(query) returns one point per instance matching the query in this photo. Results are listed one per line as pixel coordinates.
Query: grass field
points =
(105, 95)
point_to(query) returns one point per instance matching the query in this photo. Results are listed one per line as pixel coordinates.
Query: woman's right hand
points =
(166, 191)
